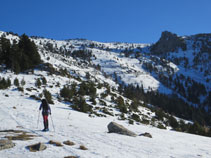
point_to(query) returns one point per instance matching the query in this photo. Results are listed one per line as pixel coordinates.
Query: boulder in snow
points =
(117, 128)
(36, 147)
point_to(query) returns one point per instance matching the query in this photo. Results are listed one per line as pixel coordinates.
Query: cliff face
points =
(168, 42)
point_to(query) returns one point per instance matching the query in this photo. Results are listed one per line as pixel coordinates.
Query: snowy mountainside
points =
(192, 55)
(93, 73)
(110, 58)
(151, 68)
(74, 71)
(170, 71)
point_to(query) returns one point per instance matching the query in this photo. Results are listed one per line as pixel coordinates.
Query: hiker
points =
(46, 110)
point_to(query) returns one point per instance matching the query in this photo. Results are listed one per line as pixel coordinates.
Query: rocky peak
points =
(168, 42)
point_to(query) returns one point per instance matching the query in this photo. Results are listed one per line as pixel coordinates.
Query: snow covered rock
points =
(117, 128)
(5, 144)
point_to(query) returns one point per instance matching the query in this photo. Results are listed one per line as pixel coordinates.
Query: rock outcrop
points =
(36, 147)
(168, 42)
(117, 128)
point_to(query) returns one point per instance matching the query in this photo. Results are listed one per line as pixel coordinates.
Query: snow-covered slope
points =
(108, 66)
(132, 64)
(111, 59)
(178, 66)
(19, 112)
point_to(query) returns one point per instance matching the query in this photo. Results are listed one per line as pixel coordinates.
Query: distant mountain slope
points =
(192, 55)
(170, 66)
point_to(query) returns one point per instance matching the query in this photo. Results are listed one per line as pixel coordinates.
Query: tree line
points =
(19, 55)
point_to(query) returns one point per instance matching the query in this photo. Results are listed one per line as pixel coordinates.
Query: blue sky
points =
(140, 21)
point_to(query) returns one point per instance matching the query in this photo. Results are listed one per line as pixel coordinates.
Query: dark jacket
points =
(46, 110)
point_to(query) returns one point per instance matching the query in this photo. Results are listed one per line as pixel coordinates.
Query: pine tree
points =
(44, 81)
(81, 105)
(16, 82)
(30, 50)
(23, 82)
(8, 82)
(121, 105)
(48, 96)
(173, 122)
(38, 82)
(19, 56)
(67, 93)
(4, 84)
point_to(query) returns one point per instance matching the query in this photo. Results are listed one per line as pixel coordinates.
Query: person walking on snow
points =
(46, 110)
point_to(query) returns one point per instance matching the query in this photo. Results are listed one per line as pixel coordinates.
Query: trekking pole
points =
(38, 119)
(52, 123)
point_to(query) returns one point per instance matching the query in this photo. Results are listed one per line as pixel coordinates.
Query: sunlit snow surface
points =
(92, 133)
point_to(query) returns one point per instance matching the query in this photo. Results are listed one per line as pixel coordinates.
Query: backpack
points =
(45, 105)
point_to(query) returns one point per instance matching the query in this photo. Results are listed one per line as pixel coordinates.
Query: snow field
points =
(92, 133)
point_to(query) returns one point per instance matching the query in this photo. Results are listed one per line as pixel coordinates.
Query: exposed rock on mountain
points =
(169, 42)
(114, 127)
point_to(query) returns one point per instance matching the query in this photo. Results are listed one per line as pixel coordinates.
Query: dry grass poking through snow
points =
(68, 143)
(82, 147)
(55, 143)
(16, 135)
